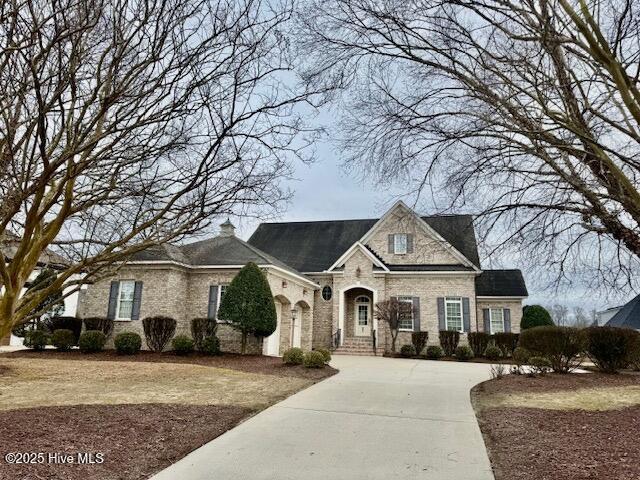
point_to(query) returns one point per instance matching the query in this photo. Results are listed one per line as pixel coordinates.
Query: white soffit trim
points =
(425, 226)
(358, 245)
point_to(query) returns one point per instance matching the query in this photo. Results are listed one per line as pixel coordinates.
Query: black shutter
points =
(409, 243)
(416, 314)
(113, 300)
(137, 298)
(213, 302)
(486, 320)
(466, 315)
(507, 319)
(391, 243)
(442, 325)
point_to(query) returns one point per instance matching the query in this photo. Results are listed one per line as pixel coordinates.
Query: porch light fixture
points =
(294, 313)
(284, 284)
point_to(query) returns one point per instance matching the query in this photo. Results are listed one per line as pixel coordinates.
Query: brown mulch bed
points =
(135, 440)
(544, 444)
(555, 382)
(245, 363)
(538, 444)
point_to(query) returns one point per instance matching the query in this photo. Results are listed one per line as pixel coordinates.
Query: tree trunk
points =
(393, 341)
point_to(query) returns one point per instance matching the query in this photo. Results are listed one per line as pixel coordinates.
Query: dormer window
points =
(400, 243)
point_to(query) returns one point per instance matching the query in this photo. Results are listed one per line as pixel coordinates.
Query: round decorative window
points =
(326, 293)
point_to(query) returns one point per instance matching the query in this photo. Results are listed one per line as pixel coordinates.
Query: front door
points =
(362, 316)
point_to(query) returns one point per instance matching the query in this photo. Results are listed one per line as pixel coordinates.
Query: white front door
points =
(362, 312)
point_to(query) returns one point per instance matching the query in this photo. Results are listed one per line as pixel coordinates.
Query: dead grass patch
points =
(49, 382)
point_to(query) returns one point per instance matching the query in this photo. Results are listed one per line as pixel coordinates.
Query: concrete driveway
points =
(379, 418)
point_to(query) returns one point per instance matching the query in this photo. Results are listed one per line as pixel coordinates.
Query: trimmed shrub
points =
(419, 340)
(92, 341)
(521, 355)
(210, 345)
(313, 359)
(408, 350)
(326, 354)
(64, 323)
(535, 316)
(562, 346)
(293, 356)
(103, 324)
(63, 339)
(182, 345)
(540, 365)
(158, 331)
(464, 353)
(36, 339)
(434, 352)
(634, 355)
(478, 341)
(127, 343)
(202, 328)
(449, 341)
(507, 342)
(610, 347)
(492, 352)
(248, 304)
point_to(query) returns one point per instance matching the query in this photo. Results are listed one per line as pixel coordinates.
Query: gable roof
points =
(628, 316)
(501, 283)
(217, 251)
(315, 246)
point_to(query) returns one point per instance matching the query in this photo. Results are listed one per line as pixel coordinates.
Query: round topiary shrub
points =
(521, 355)
(434, 352)
(63, 339)
(492, 352)
(128, 343)
(36, 339)
(535, 316)
(325, 353)
(293, 356)
(464, 353)
(610, 348)
(182, 345)
(408, 350)
(313, 359)
(210, 345)
(92, 341)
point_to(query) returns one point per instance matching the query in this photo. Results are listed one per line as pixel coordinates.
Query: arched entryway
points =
(356, 312)
(300, 323)
(271, 344)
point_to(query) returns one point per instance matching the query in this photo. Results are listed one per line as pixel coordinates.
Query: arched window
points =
(362, 299)
(327, 293)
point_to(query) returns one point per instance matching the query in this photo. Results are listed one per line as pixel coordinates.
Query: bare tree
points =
(527, 111)
(125, 124)
(392, 312)
(580, 318)
(559, 314)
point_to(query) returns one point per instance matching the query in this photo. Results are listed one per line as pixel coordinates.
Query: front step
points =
(356, 346)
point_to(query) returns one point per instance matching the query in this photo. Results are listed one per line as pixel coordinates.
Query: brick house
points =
(326, 278)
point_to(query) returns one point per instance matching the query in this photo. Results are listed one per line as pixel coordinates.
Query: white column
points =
(341, 316)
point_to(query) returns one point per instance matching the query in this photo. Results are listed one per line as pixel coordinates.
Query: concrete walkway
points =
(379, 418)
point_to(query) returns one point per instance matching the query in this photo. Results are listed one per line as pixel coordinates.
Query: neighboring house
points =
(325, 277)
(605, 315)
(627, 316)
(48, 259)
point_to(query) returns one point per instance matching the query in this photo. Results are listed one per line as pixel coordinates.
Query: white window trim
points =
(118, 317)
(397, 236)
(457, 300)
(491, 310)
(407, 299)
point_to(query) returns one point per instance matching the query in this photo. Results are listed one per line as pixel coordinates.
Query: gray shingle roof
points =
(628, 316)
(221, 250)
(501, 283)
(315, 246)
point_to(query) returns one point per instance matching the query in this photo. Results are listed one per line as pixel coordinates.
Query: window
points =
(326, 293)
(496, 315)
(400, 243)
(221, 291)
(406, 314)
(453, 313)
(125, 299)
